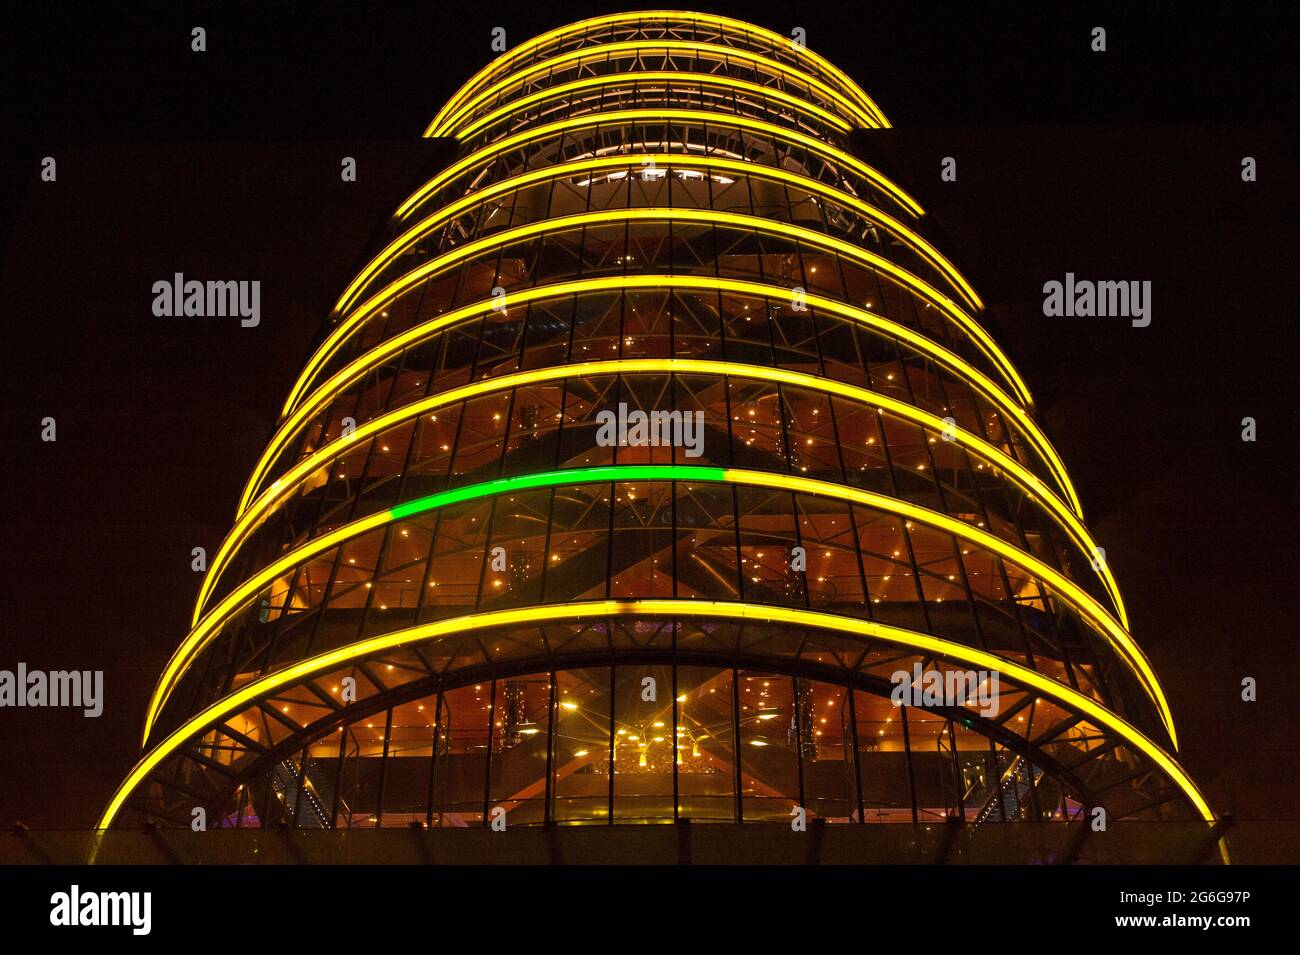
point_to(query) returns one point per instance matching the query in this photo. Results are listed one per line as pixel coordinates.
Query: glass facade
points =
(455, 590)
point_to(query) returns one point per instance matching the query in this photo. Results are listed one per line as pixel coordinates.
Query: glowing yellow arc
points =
(1067, 697)
(960, 367)
(565, 92)
(923, 289)
(662, 162)
(699, 116)
(208, 627)
(605, 51)
(286, 485)
(503, 63)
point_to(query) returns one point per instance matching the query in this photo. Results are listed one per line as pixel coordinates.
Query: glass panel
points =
(829, 788)
(706, 758)
(643, 744)
(932, 764)
(581, 787)
(458, 788)
(359, 780)
(520, 727)
(410, 757)
(769, 738)
(882, 759)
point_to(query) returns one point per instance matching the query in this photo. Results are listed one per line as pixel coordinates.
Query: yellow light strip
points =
(507, 237)
(198, 637)
(566, 91)
(723, 24)
(1070, 699)
(287, 484)
(662, 161)
(963, 369)
(782, 133)
(606, 51)
(1071, 593)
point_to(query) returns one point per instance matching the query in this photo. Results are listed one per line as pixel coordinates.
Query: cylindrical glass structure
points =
(629, 476)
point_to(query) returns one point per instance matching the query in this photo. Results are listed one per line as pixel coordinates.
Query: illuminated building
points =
(442, 595)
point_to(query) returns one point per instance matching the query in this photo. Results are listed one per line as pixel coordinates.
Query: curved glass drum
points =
(657, 467)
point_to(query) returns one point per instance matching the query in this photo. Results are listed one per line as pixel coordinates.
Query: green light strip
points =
(526, 482)
(1104, 623)
(1118, 635)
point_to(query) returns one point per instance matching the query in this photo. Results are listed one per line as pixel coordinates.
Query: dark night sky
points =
(1123, 165)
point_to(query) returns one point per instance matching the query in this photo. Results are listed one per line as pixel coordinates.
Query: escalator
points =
(305, 800)
(1016, 784)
